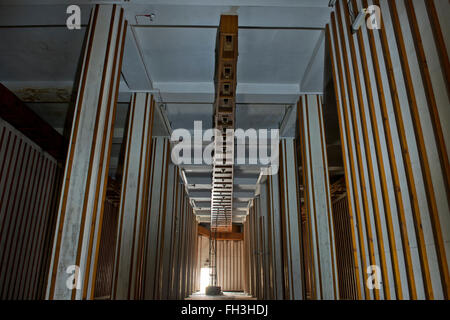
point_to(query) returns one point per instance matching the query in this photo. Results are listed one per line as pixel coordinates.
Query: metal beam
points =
(15, 112)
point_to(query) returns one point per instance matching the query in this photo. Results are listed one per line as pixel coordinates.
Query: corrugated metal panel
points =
(28, 198)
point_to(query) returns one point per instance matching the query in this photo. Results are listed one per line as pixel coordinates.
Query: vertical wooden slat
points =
(432, 108)
(24, 207)
(369, 160)
(353, 168)
(440, 43)
(409, 172)
(10, 223)
(431, 99)
(380, 163)
(39, 239)
(367, 230)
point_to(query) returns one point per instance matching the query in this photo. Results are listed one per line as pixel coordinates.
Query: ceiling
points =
(281, 56)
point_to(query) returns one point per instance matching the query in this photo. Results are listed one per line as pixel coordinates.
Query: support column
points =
(259, 240)
(247, 260)
(86, 171)
(250, 236)
(274, 221)
(134, 197)
(165, 263)
(159, 185)
(317, 198)
(254, 250)
(290, 213)
(175, 256)
(266, 236)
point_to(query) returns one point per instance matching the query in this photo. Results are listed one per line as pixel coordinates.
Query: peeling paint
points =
(44, 94)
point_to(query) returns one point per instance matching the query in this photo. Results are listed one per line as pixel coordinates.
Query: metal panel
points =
(230, 262)
(392, 99)
(29, 186)
(344, 255)
(105, 266)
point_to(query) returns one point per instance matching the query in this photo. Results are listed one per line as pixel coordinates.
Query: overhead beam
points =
(207, 194)
(236, 234)
(15, 112)
(171, 26)
(207, 206)
(134, 70)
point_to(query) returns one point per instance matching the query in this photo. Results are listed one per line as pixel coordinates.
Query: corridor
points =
(224, 150)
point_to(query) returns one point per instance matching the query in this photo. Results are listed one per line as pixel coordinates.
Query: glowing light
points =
(204, 279)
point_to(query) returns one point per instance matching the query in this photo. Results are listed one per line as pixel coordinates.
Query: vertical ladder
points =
(223, 160)
(224, 119)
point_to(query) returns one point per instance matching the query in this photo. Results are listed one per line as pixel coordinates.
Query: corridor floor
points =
(225, 296)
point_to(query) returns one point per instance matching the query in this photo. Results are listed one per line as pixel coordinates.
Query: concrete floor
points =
(225, 296)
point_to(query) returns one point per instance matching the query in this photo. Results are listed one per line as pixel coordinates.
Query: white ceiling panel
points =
(178, 54)
(39, 53)
(274, 56)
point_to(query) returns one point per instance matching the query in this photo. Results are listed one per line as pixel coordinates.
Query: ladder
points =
(224, 119)
(223, 160)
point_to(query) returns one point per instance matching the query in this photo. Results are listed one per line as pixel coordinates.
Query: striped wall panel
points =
(318, 242)
(229, 265)
(169, 266)
(106, 254)
(344, 254)
(29, 186)
(253, 277)
(156, 252)
(160, 184)
(391, 88)
(247, 259)
(185, 252)
(265, 259)
(230, 262)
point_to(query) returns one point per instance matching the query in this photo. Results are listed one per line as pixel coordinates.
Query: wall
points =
(392, 93)
(344, 254)
(271, 260)
(157, 240)
(105, 265)
(28, 196)
(230, 266)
